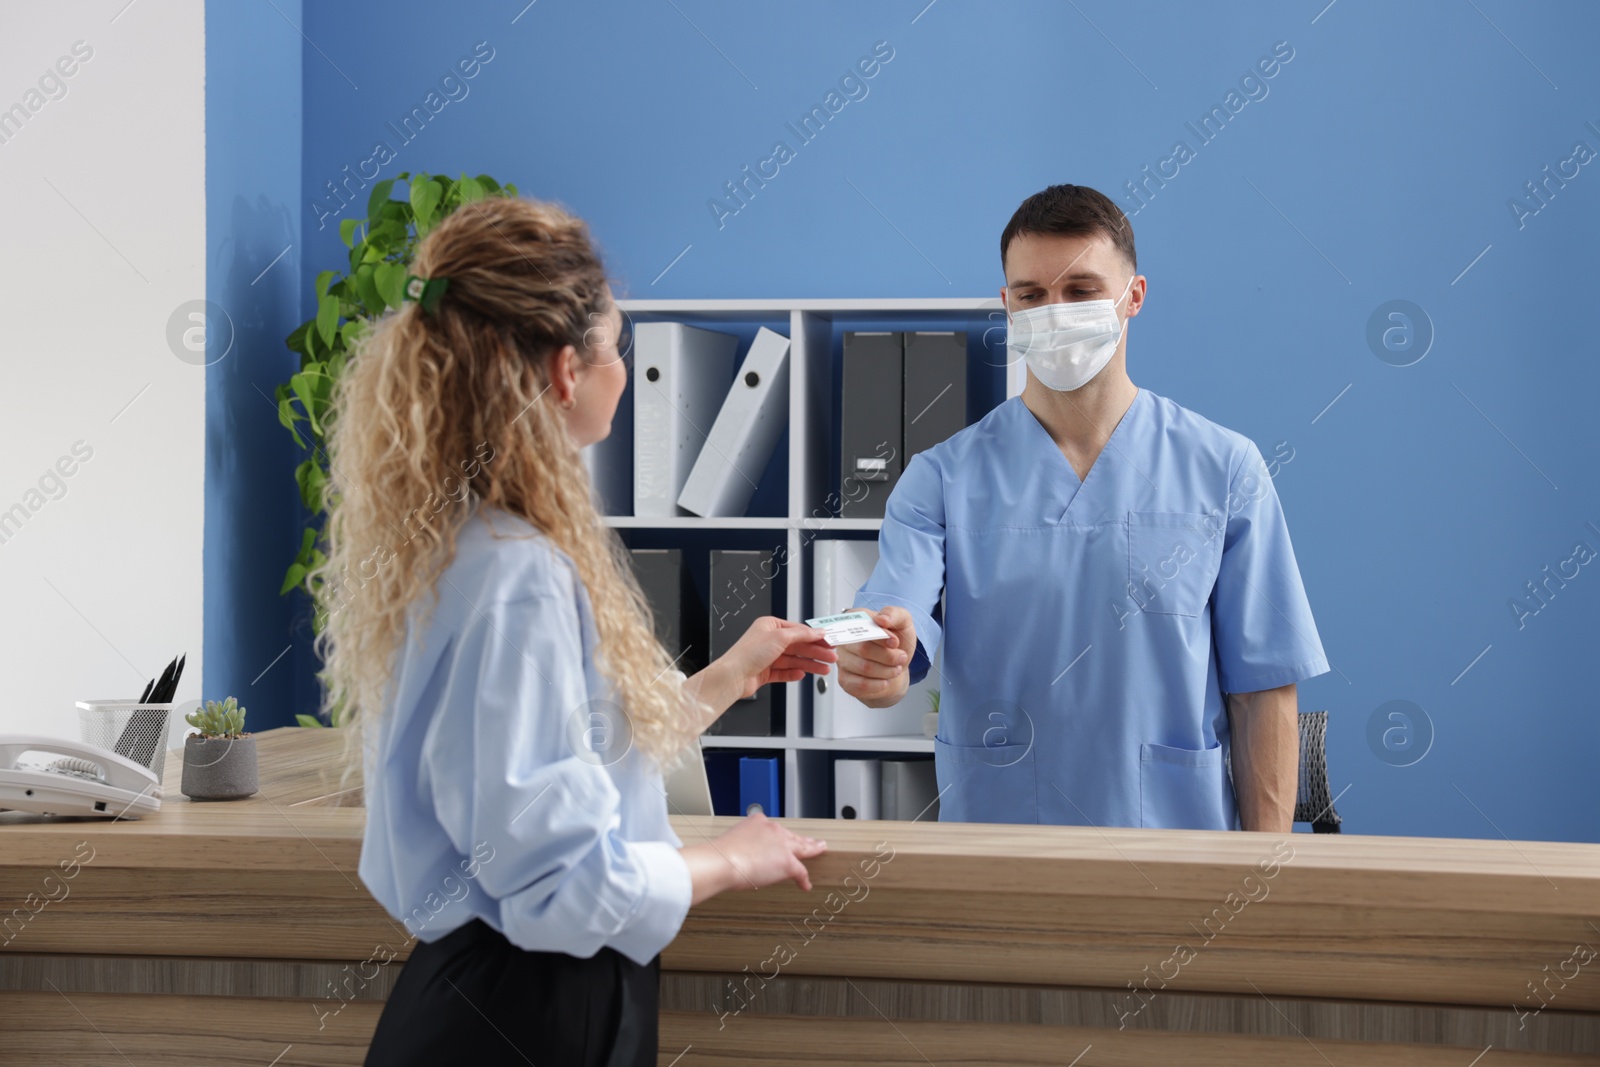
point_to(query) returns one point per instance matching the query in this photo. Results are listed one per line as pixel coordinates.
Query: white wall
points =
(104, 222)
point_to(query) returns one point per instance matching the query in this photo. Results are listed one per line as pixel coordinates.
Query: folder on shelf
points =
(935, 388)
(722, 775)
(759, 785)
(871, 422)
(741, 592)
(839, 569)
(680, 615)
(746, 430)
(909, 790)
(680, 378)
(856, 789)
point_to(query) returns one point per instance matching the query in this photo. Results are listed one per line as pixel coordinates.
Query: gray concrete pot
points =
(218, 768)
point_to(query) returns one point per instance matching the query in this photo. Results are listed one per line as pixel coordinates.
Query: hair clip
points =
(425, 291)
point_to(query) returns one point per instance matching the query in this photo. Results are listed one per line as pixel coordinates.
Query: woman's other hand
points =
(757, 852)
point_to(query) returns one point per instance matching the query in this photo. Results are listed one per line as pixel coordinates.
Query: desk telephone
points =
(73, 778)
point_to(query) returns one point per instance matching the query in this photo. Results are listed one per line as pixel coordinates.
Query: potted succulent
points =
(219, 762)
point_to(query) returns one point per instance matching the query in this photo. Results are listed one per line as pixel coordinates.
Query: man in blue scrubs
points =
(1124, 622)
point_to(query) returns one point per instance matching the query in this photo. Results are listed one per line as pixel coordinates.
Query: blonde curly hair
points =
(458, 396)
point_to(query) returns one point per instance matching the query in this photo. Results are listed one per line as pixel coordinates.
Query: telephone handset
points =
(74, 779)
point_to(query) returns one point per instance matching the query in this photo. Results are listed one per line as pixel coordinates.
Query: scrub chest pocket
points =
(1173, 560)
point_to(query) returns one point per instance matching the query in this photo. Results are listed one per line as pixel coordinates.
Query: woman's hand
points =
(757, 852)
(774, 650)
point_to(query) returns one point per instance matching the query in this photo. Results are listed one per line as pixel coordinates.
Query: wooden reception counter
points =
(239, 933)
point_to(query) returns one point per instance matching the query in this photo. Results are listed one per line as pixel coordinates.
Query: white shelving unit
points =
(814, 327)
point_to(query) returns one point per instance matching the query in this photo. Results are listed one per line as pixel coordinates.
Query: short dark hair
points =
(1071, 210)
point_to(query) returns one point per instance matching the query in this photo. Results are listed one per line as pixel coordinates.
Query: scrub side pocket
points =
(1183, 788)
(1173, 560)
(986, 783)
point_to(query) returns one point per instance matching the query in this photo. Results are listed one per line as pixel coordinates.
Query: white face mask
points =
(1066, 345)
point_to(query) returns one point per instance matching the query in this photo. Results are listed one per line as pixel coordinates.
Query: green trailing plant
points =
(381, 246)
(218, 720)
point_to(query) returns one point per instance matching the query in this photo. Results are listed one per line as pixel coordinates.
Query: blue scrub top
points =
(1090, 630)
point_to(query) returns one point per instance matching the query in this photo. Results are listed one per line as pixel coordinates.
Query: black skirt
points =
(474, 997)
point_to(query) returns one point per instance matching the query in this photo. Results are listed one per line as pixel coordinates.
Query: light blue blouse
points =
(501, 783)
(1091, 629)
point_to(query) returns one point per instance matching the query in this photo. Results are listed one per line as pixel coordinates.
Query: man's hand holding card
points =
(874, 669)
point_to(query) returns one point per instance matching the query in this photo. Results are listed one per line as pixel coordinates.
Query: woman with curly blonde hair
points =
(496, 663)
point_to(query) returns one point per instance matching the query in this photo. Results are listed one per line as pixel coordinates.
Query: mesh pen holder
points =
(128, 728)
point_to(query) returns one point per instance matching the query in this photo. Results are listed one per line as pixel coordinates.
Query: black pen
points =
(135, 741)
(171, 689)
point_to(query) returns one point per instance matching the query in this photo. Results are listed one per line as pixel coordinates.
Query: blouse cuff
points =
(663, 905)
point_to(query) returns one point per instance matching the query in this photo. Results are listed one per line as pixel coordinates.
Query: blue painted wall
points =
(253, 262)
(1375, 165)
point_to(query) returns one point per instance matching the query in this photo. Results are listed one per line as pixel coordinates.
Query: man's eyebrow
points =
(1078, 275)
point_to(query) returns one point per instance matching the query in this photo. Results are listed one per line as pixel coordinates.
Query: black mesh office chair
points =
(1314, 803)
